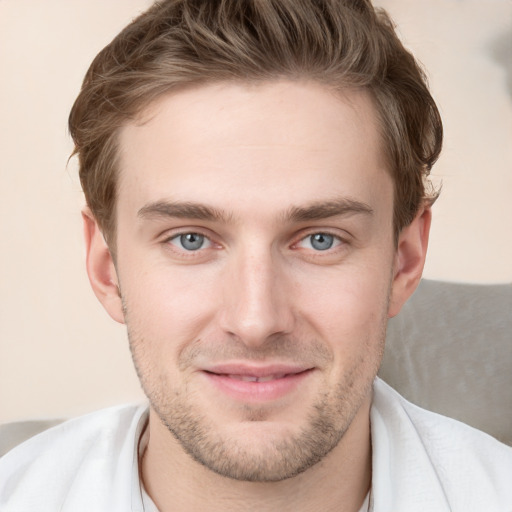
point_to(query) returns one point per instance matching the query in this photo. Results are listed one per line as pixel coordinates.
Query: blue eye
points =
(321, 241)
(190, 241)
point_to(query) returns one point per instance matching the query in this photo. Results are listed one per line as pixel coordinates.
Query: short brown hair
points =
(175, 43)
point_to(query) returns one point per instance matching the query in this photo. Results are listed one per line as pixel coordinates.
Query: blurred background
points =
(60, 354)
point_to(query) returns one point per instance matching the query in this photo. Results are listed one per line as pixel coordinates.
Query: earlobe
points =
(409, 260)
(101, 269)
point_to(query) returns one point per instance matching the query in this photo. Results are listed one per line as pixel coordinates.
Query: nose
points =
(257, 303)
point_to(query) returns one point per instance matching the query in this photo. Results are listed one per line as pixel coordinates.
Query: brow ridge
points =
(196, 211)
(326, 209)
(182, 210)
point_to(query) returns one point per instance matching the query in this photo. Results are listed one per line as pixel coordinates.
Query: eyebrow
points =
(326, 209)
(182, 210)
(196, 211)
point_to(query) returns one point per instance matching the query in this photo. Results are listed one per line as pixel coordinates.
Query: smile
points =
(256, 384)
(253, 378)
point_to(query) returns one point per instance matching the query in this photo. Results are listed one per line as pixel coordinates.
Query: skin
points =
(257, 170)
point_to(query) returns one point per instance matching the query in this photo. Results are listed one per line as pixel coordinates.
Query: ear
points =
(100, 268)
(409, 260)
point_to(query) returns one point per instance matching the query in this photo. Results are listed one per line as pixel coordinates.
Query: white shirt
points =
(421, 462)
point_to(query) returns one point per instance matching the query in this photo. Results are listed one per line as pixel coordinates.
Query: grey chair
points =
(12, 434)
(450, 350)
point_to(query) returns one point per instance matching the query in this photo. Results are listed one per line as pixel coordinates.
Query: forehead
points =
(264, 146)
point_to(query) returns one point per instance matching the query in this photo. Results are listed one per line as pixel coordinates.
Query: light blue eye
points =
(190, 241)
(321, 241)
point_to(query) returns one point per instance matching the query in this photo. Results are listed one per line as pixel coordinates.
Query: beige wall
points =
(60, 354)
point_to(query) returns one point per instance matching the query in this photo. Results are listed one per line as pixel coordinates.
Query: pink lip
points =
(250, 383)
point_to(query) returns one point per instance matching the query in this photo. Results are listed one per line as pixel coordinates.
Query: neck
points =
(338, 482)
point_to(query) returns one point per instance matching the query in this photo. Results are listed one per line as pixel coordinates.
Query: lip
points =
(253, 383)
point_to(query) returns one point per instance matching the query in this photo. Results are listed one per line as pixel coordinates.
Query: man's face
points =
(255, 262)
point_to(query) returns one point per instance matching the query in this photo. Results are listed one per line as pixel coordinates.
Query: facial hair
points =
(269, 458)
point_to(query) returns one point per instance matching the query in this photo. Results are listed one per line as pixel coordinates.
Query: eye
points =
(319, 241)
(190, 241)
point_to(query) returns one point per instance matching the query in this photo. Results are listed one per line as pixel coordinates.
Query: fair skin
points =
(256, 271)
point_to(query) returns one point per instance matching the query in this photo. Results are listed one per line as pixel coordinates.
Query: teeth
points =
(270, 377)
(267, 379)
(247, 378)
(251, 378)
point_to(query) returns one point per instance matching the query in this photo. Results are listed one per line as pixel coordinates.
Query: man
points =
(257, 208)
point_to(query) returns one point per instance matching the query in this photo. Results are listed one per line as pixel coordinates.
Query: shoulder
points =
(468, 467)
(44, 470)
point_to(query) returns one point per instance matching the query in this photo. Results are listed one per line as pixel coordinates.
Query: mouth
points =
(257, 384)
(253, 378)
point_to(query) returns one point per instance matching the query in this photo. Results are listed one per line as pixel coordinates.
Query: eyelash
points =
(336, 242)
(169, 240)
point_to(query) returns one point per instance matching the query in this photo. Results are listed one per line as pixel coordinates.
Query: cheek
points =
(348, 307)
(353, 292)
(167, 306)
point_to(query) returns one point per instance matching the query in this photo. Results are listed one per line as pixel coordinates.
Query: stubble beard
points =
(280, 457)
